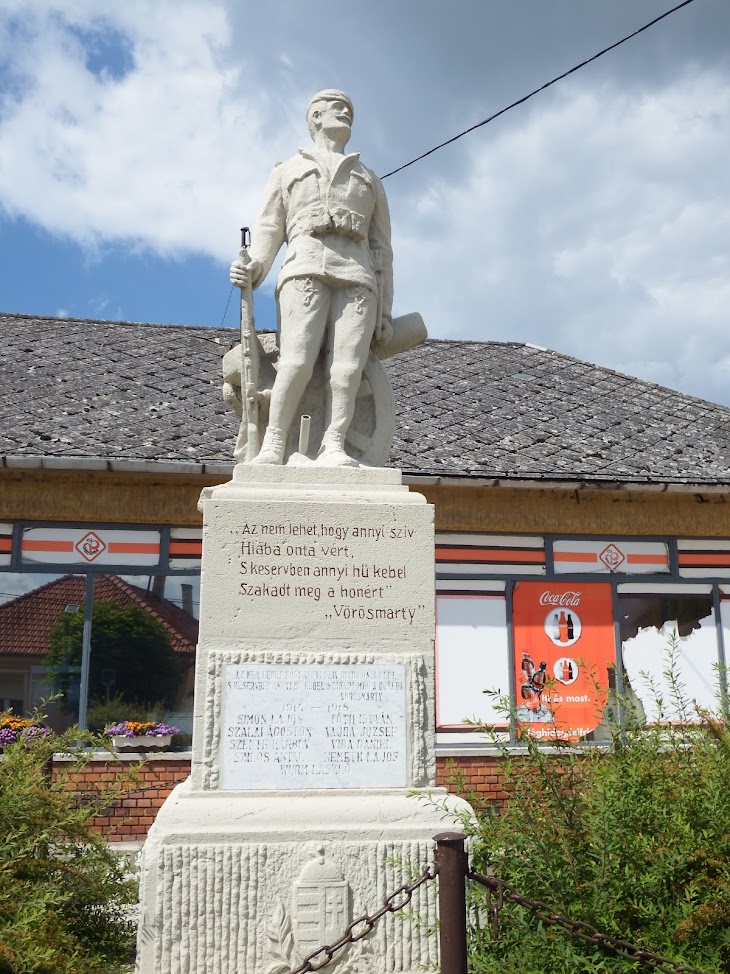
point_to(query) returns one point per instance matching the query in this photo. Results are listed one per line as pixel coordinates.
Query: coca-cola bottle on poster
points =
(571, 629)
(539, 677)
(566, 671)
(528, 667)
(556, 628)
(563, 627)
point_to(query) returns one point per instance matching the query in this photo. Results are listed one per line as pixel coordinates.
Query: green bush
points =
(65, 895)
(633, 839)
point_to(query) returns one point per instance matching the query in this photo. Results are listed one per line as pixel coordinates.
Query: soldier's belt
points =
(339, 220)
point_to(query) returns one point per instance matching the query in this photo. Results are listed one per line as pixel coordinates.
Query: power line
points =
(521, 101)
(227, 303)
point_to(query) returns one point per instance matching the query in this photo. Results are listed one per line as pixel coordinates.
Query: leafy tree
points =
(65, 896)
(125, 640)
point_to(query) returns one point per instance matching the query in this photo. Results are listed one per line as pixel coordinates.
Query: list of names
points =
(309, 726)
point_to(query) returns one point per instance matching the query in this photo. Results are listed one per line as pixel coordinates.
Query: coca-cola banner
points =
(564, 653)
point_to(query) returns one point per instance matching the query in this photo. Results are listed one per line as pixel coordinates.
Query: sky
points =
(136, 139)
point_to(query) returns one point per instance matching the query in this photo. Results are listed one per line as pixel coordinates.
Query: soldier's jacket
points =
(337, 226)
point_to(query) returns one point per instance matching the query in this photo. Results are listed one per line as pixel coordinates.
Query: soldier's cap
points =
(331, 94)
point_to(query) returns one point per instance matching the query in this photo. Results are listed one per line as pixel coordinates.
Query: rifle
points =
(248, 442)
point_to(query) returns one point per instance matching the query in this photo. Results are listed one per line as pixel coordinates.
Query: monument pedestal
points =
(312, 791)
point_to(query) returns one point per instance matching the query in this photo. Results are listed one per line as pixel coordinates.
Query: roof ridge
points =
(105, 321)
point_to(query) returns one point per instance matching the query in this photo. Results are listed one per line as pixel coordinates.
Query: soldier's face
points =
(335, 116)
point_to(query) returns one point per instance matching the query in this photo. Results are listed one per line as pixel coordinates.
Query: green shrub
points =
(65, 895)
(633, 839)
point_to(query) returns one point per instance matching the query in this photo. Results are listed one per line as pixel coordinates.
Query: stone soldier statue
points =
(335, 288)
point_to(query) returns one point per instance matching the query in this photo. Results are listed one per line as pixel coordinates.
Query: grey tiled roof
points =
(118, 390)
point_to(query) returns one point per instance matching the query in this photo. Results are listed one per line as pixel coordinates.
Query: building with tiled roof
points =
(551, 478)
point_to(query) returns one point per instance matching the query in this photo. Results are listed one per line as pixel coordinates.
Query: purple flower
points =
(126, 728)
(35, 730)
(24, 734)
(7, 736)
(119, 730)
(163, 730)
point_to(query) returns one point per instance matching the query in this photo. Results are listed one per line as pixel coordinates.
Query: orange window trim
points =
(484, 554)
(30, 545)
(133, 548)
(704, 558)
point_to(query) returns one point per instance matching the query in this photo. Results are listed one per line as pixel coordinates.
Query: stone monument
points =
(312, 791)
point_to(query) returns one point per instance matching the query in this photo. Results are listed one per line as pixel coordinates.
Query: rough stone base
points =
(250, 882)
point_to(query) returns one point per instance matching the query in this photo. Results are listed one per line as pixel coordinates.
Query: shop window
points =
(142, 646)
(31, 606)
(669, 652)
(144, 632)
(175, 601)
(472, 659)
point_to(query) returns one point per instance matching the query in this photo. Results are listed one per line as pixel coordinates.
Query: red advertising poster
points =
(564, 650)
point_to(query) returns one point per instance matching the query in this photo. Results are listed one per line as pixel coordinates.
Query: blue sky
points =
(114, 281)
(135, 140)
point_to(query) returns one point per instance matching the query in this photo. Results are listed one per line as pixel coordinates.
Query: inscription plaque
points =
(321, 569)
(308, 726)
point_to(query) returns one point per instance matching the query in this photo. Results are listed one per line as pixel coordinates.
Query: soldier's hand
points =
(240, 274)
(383, 331)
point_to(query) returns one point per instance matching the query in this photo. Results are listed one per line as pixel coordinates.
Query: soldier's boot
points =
(272, 449)
(332, 452)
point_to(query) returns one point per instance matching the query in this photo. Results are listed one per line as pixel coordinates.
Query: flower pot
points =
(141, 744)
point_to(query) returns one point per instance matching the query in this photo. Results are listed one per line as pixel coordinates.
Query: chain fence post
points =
(452, 865)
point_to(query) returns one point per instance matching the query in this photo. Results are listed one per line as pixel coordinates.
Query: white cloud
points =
(599, 227)
(165, 156)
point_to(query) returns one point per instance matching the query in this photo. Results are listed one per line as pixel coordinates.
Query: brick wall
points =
(478, 778)
(129, 816)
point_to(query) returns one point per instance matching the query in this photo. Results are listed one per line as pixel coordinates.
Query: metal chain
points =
(578, 928)
(366, 923)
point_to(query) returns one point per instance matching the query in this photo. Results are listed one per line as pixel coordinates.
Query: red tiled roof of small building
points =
(26, 621)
